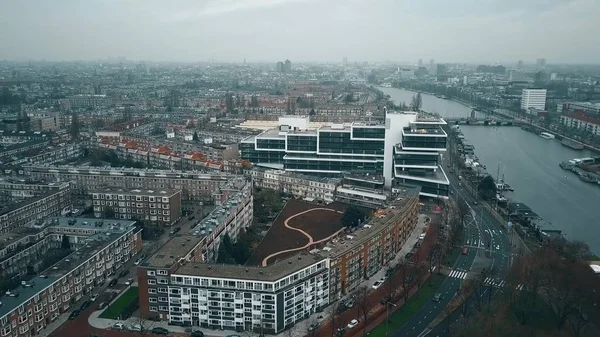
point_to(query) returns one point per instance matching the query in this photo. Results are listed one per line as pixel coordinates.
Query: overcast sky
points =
(302, 30)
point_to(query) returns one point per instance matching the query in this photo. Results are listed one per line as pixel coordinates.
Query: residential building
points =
(404, 150)
(310, 188)
(177, 286)
(582, 121)
(533, 98)
(95, 253)
(53, 200)
(195, 186)
(155, 207)
(45, 123)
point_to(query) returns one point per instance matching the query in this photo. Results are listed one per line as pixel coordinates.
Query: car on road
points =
(465, 251)
(94, 297)
(84, 305)
(160, 331)
(74, 314)
(377, 284)
(129, 281)
(313, 327)
(437, 297)
(352, 323)
(137, 262)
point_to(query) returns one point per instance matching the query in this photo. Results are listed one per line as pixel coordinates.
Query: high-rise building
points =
(520, 64)
(280, 67)
(404, 150)
(431, 64)
(288, 66)
(533, 98)
(420, 63)
(345, 60)
(541, 62)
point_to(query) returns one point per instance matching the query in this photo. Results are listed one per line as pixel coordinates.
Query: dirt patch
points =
(319, 224)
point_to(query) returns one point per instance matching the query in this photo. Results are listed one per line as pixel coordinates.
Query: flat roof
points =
(270, 273)
(177, 247)
(363, 193)
(12, 207)
(92, 244)
(291, 174)
(437, 175)
(162, 192)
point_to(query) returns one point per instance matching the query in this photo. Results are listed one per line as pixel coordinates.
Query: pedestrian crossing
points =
(458, 274)
(492, 282)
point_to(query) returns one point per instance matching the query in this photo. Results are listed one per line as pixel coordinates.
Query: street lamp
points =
(387, 319)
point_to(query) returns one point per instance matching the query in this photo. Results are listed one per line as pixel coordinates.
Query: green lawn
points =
(114, 310)
(414, 304)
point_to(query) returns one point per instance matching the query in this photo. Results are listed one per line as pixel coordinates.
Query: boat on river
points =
(546, 135)
(572, 144)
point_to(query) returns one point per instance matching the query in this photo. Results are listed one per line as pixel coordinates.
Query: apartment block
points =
(160, 208)
(533, 98)
(53, 201)
(310, 188)
(98, 248)
(178, 286)
(195, 186)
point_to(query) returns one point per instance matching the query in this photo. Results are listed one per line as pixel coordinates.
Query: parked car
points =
(352, 323)
(137, 262)
(74, 314)
(102, 305)
(119, 326)
(94, 297)
(124, 273)
(197, 333)
(112, 282)
(84, 305)
(385, 300)
(129, 281)
(408, 255)
(377, 284)
(160, 331)
(135, 327)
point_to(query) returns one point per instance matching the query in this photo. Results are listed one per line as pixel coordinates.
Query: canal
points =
(529, 163)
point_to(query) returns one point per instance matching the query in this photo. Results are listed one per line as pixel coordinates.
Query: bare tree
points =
(406, 277)
(142, 327)
(312, 328)
(364, 306)
(335, 318)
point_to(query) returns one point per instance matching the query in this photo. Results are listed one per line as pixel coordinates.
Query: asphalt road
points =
(492, 242)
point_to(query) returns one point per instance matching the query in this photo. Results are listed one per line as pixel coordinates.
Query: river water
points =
(529, 163)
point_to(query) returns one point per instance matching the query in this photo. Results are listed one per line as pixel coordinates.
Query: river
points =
(529, 163)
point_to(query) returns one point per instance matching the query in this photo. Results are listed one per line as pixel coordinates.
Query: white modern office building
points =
(533, 98)
(404, 150)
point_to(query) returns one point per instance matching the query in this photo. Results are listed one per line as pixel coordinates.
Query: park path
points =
(311, 241)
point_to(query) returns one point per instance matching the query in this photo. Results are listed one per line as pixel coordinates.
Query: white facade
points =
(394, 124)
(588, 126)
(299, 186)
(533, 98)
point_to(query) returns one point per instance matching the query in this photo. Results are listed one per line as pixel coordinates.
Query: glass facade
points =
(270, 144)
(302, 143)
(371, 133)
(416, 159)
(431, 188)
(424, 142)
(340, 142)
(257, 156)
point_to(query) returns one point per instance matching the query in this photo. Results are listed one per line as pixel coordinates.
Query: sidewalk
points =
(299, 330)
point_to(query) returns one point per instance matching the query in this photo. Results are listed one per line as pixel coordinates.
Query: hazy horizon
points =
(304, 31)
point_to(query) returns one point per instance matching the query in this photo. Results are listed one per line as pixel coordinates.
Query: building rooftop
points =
(103, 233)
(165, 192)
(177, 247)
(416, 130)
(325, 180)
(14, 206)
(437, 175)
(130, 172)
(270, 273)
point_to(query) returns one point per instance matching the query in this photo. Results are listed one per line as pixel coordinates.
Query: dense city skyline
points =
(302, 30)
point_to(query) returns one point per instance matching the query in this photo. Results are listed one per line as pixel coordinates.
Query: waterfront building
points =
(156, 207)
(533, 98)
(406, 149)
(175, 285)
(98, 248)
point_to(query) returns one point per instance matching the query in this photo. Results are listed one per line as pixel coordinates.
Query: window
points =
(153, 309)
(151, 281)
(162, 272)
(152, 300)
(151, 273)
(151, 291)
